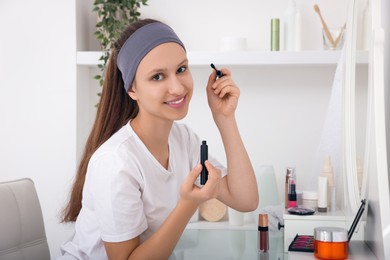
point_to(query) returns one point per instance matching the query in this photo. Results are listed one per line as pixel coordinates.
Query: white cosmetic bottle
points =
(327, 172)
(322, 203)
(298, 31)
(292, 27)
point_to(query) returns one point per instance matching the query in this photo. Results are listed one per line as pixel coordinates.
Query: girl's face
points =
(163, 84)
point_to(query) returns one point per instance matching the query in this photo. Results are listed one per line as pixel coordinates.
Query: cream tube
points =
(322, 194)
(298, 31)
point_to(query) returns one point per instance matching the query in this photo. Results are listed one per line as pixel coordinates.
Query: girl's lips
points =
(177, 102)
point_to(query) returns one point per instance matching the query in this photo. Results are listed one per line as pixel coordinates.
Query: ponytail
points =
(115, 109)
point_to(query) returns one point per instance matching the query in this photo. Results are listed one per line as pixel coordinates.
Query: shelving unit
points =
(319, 62)
(248, 58)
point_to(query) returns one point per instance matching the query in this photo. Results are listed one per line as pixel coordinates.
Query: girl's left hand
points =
(222, 94)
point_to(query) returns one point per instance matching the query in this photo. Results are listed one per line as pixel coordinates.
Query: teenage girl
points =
(135, 188)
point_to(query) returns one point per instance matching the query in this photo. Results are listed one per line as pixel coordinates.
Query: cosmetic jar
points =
(309, 199)
(232, 44)
(330, 243)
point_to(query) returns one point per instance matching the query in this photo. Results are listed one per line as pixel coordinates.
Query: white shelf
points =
(337, 215)
(247, 58)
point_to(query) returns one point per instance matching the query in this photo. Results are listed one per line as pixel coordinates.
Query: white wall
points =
(281, 111)
(38, 102)
(289, 103)
(202, 23)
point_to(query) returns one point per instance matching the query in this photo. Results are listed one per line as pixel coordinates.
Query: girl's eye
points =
(182, 69)
(157, 77)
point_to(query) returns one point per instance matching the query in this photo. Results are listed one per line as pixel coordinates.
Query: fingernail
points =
(198, 167)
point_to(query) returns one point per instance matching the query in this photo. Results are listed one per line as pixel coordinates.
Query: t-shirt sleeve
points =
(116, 186)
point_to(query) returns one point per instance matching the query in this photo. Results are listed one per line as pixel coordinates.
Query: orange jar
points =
(330, 243)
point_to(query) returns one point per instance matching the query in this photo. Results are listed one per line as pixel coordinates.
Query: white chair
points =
(22, 231)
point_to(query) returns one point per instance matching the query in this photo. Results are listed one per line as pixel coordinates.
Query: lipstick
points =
(292, 194)
(203, 157)
(263, 233)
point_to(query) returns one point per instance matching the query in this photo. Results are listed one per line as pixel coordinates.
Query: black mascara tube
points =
(203, 157)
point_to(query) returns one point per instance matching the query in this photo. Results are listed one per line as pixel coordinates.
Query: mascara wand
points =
(219, 73)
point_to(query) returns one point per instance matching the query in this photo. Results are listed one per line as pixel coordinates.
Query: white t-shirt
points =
(128, 193)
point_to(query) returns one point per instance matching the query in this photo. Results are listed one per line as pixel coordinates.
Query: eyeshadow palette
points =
(302, 243)
(305, 243)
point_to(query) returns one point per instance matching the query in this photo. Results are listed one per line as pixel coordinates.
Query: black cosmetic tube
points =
(203, 157)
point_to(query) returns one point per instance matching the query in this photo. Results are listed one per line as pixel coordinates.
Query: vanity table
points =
(226, 244)
(222, 244)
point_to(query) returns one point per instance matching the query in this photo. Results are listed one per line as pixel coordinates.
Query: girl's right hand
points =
(194, 194)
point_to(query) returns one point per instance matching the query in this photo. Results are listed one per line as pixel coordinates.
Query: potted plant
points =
(112, 17)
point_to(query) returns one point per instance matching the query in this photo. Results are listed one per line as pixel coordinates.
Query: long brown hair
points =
(115, 109)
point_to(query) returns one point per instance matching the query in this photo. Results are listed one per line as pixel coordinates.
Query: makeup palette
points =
(302, 243)
(306, 243)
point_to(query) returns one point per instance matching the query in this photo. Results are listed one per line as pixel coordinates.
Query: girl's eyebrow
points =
(159, 70)
(184, 61)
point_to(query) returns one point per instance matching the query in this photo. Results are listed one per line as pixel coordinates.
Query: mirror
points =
(351, 105)
(361, 90)
(369, 143)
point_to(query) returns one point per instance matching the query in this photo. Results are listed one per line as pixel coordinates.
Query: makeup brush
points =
(325, 27)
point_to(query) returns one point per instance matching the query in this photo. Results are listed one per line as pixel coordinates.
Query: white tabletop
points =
(219, 244)
(226, 244)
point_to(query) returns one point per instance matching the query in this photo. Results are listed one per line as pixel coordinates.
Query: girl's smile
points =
(177, 103)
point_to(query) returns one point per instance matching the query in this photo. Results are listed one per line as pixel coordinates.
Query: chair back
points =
(22, 231)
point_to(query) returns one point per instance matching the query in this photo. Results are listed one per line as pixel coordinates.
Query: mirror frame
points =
(351, 187)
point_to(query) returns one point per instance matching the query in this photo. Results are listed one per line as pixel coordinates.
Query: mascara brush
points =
(219, 73)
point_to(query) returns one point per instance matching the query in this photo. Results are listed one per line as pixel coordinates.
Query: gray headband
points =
(140, 43)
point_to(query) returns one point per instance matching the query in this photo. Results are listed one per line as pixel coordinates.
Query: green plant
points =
(113, 16)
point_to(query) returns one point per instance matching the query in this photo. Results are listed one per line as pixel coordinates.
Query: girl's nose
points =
(175, 85)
